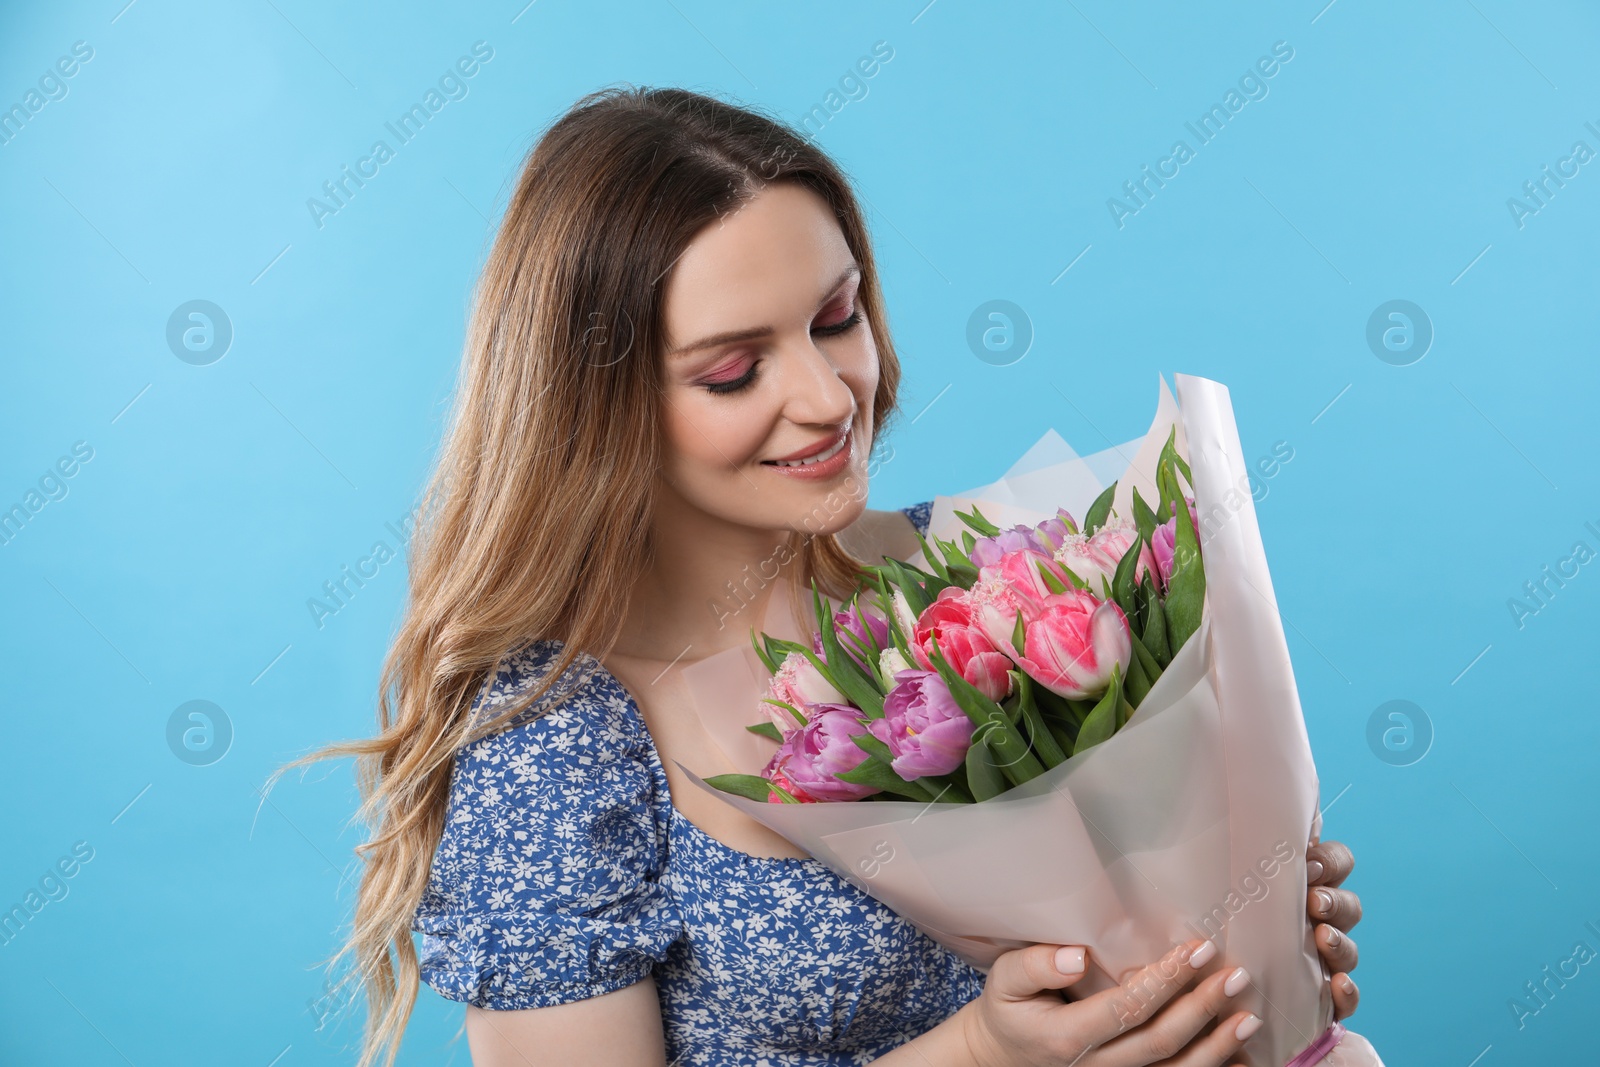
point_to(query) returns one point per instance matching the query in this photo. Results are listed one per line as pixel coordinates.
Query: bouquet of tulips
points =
(1062, 732)
(1017, 649)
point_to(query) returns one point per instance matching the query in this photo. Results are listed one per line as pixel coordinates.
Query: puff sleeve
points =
(546, 886)
(919, 513)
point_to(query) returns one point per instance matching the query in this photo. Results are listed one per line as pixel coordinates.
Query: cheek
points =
(861, 372)
(709, 435)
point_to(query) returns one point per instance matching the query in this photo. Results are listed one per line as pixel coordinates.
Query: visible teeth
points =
(818, 458)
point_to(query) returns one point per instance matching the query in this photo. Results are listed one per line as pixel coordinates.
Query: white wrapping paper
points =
(1191, 821)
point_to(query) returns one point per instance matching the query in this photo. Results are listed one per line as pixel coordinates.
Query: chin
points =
(835, 506)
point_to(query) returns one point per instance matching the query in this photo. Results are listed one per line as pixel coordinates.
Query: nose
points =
(814, 393)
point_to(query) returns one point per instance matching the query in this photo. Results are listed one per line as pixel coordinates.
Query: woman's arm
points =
(617, 1029)
(1152, 1016)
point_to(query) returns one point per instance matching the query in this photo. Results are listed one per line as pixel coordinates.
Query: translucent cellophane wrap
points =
(1190, 821)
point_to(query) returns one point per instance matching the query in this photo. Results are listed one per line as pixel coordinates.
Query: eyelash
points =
(745, 380)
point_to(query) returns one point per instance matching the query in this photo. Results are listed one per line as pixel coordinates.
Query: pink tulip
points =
(812, 756)
(1021, 570)
(1096, 556)
(778, 778)
(797, 682)
(963, 644)
(1070, 642)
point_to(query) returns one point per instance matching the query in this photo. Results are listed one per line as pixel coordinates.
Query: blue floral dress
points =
(565, 872)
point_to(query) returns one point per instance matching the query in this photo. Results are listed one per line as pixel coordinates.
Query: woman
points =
(677, 368)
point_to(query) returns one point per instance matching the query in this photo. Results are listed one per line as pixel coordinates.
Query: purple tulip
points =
(1163, 541)
(858, 619)
(1043, 538)
(812, 756)
(1054, 531)
(923, 726)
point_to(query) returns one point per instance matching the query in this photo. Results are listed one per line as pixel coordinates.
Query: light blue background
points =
(221, 497)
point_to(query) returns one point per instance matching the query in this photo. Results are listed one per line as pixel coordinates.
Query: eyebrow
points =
(751, 333)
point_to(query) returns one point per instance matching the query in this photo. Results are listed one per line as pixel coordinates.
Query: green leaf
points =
(799, 716)
(1066, 736)
(847, 675)
(1039, 738)
(983, 775)
(1143, 518)
(954, 555)
(1102, 721)
(779, 649)
(767, 730)
(912, 585)
(867, 649)
(767, 659)
(1051, 582)
(1146, 660)
(1100, 510)
(1015, 761)
(1138, 683)
(978, 522)
(939, 566)
(875, 772)
(872, 746)
(1166, 480)
(1169, 492)
(1081, 709)
(948, 788)
(1155, 632)
(1019, 636)
(750, 786)
(1186, 589)
(1122, 584)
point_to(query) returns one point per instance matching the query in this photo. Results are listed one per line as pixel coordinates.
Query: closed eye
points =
(841, 326)
(745, 380)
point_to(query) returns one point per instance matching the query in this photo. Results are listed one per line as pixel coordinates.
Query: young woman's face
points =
(769, 358)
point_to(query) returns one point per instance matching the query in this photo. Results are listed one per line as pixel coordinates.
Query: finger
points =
(1171, 1031)
(1328, 863)
(1021, 974)
(1340, 907)
(1221, 1043)
(1338, 949)
(1346, 997)
(1139, 993)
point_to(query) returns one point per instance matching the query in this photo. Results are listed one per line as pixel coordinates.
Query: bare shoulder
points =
(876, 534)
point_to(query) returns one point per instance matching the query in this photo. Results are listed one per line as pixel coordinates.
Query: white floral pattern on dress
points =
(565, 872)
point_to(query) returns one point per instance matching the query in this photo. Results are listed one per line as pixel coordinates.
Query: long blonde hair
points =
(533, 519)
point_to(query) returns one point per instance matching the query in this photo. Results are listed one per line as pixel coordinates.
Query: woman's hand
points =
(1021, 1021)
(1335, 911)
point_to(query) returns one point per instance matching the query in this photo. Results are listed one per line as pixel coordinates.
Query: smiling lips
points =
(822, 461)
(812, 453)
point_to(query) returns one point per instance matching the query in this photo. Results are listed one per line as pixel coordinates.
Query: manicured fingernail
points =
(1069, 960)
(1203, 954)
(1236, 982)
(1348, 986)
(1247, 1026)
(1313, 870)
(1334, 937)
(1324, 901)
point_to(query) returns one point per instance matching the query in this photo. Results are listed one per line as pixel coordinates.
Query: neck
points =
(710, 581)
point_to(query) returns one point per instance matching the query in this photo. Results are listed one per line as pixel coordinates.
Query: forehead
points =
(766, 262)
